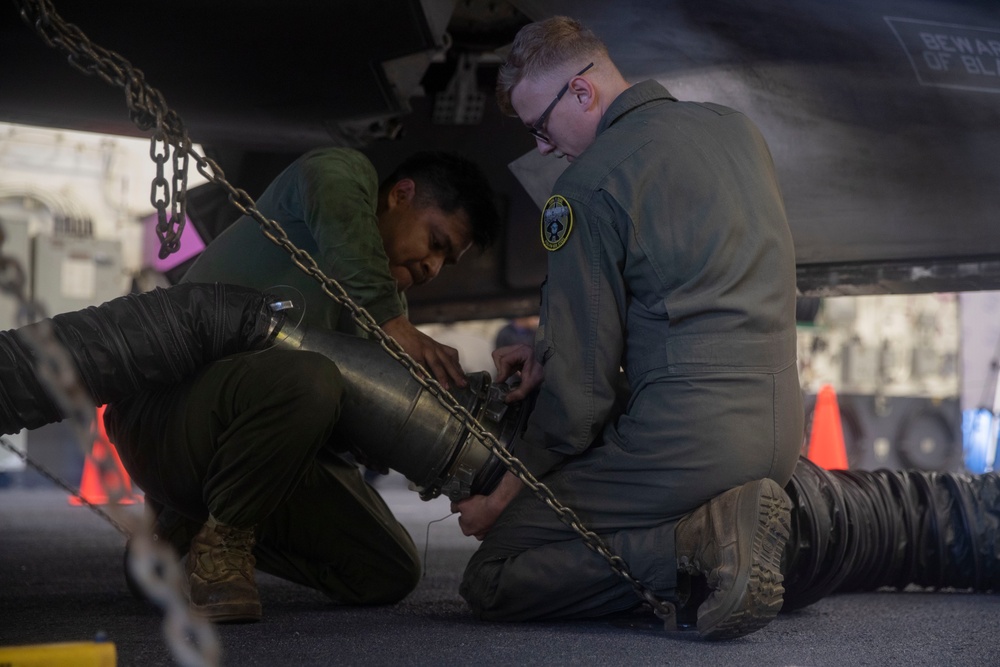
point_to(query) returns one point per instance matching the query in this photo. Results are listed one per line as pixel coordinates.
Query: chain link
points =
(147, 109)
(168, 230)
(159, 189)
(147, 103)
(155, 568)
(191, 639)
(44, 472)
(169, 233)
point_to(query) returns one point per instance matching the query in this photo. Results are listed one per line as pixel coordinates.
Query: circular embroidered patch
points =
(557, 222)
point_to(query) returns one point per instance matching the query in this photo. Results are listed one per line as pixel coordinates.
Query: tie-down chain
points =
(149, 110)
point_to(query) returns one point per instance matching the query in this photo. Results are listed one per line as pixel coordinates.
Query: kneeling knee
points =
(321, 383)
(479, 590)
(310, 381)
(392, 589)
(371, 585)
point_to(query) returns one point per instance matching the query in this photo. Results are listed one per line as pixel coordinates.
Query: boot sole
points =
(763, 515)
(223, 612)
(229, 613)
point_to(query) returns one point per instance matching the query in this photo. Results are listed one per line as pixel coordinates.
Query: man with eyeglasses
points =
(669, 258)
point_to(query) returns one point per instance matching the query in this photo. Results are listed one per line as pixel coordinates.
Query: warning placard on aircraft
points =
(950, 56)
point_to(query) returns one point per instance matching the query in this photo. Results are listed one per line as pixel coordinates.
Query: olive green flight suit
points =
(325, 202)
(677, 266)
(249, 437)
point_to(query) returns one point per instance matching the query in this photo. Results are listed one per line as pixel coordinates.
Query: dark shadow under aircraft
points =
(883, 115)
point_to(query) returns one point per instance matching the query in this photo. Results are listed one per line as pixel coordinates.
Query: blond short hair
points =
(542, 47)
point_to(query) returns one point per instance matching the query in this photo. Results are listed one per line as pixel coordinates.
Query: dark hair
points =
(452, 183)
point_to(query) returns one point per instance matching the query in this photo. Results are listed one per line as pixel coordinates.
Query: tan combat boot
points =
(736, 541)
(220, 567)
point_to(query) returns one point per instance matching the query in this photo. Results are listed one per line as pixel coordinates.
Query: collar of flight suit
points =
(632, 98)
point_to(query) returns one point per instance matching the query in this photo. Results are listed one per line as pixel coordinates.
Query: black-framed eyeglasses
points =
(538, 127)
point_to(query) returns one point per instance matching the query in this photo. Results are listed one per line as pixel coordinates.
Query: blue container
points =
(979, 440)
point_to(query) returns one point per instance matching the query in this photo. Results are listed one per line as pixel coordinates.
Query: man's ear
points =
(583, 91)
(401, 193)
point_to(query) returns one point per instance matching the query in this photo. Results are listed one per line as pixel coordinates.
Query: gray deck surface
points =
(61, 580)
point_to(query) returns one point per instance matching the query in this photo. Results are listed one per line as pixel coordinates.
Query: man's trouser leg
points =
(547, 571)
(337, 535)
(239, 440)
(532, 566)
(655, 466)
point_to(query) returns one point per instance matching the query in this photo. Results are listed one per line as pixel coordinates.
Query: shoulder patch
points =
(557, 222)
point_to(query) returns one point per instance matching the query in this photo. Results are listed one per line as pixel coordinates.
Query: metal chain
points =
(44, 472)
(191, 639)
(149, 103)
(147, 109)
(168, 231)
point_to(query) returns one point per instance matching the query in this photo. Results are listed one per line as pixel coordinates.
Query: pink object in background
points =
(191, 245)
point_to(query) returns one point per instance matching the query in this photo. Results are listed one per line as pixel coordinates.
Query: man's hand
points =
(479, 513)
(518, 358)
(440, 360)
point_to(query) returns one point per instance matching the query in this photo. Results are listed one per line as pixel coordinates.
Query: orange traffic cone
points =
(826, 439)
(104, 477)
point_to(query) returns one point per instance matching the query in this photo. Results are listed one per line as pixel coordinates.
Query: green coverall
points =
(248, 439)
